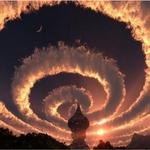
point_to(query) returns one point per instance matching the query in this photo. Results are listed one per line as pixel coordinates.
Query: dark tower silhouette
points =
(78, 124)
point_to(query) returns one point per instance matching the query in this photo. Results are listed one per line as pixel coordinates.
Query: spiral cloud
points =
(52, 60)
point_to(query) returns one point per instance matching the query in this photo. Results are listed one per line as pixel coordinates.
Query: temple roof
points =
(78, 122)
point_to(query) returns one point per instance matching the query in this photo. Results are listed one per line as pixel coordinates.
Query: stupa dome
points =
(78, 122)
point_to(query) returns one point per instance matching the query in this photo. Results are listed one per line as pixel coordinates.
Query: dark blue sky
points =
(68, 23)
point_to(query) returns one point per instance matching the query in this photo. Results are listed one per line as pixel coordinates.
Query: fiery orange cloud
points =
(13, 129)
(60, 98)
(53, 60)
(12, 121)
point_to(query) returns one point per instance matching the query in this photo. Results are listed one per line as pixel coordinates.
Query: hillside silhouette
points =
(40, 141)
(139, 141)
(30, 140)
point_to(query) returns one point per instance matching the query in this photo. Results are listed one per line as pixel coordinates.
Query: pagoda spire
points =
(78, 124)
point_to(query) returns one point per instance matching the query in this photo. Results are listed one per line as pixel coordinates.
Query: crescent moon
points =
(40, 29)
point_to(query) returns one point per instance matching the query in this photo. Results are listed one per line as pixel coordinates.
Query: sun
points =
(101, 132)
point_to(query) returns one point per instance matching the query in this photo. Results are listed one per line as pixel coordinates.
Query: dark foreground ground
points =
(43, 141)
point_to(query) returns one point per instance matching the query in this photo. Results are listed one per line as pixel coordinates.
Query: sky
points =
(87, 35)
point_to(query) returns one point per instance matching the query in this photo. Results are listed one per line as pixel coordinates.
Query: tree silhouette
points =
(103, 145)
(30, 140)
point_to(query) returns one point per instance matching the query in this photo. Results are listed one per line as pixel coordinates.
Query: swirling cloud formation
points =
(53, 60)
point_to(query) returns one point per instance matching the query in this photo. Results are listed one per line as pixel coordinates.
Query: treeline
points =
(36, 140)
(30, 140)
(43, 141)
(106, 145)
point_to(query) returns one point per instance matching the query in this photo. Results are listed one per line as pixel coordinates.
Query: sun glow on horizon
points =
(101, 132)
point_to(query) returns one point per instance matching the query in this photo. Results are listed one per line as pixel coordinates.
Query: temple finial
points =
(78, 108)
(78, 124)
